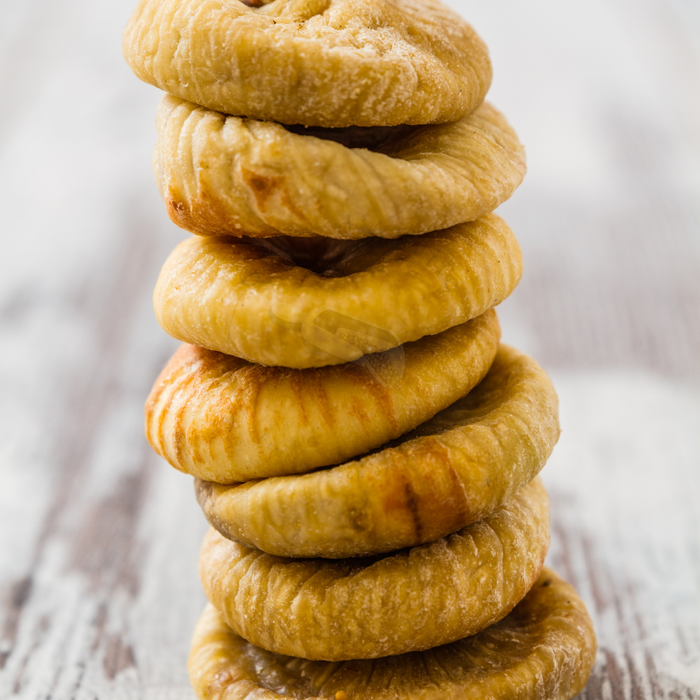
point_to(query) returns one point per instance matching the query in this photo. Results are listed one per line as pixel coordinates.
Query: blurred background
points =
(98, 538)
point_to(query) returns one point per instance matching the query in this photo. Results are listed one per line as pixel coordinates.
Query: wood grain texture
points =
(98, 538)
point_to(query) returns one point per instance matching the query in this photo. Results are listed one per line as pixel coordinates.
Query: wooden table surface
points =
(99, 538)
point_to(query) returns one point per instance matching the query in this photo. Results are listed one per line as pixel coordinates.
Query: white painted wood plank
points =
(625, 488)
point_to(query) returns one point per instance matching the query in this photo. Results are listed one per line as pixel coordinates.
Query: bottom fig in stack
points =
(543, 650)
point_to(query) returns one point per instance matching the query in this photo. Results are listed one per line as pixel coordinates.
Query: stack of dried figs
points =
(364, 448)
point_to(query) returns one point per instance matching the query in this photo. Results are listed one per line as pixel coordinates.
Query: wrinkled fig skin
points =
(543, 650)
(410, 600)
(246, 300)
(226, 420)
(449, 472)
(231, 176)
(331, 63)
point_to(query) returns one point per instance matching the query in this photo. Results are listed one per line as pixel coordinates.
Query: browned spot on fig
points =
(262, 186)
(175, 204)
(399, 497)
(204, 214)
(413, 508)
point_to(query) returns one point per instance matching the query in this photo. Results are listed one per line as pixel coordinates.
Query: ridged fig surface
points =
(232, 176)
(543, 650)
(369, 296)
(316, 62)
(447, 473)
(223, 419)
(410, 600)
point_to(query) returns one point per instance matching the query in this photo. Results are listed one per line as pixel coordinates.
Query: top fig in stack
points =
(329, 63)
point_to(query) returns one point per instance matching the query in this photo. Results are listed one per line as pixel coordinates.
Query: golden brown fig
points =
(225, 420)
(449, 472)
(315, 62)
(410, 600)
(232, 176)
(246, 300)
(543, 650)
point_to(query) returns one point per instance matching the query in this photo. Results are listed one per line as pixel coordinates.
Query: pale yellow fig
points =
(231, 176)
(410, 600)
(369, 296)
(447, 473)
(543, 650)
(226, 420)
(317, 62)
